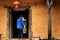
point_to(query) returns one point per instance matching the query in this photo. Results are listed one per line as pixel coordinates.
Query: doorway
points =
(14, 16)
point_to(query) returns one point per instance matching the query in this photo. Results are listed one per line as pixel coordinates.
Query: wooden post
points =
(49, 4)
(49, 24)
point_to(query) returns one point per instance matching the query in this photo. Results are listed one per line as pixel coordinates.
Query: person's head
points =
(21, 15)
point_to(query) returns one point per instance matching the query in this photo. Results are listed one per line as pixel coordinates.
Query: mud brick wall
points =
(39, 21)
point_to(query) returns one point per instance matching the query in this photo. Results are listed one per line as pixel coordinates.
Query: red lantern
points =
(16, 4)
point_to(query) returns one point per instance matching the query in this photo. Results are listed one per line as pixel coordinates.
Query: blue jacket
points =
(20, 23)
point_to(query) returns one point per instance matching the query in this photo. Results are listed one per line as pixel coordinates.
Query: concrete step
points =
(32, 39)
(19, 39)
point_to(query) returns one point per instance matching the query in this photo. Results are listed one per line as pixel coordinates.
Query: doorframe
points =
(9, 29)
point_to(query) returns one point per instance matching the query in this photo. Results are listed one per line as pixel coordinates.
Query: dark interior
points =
(15, 16)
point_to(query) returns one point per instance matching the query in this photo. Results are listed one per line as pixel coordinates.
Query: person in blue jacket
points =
(20, 26)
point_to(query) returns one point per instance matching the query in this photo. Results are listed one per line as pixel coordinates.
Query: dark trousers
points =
(20, 33)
